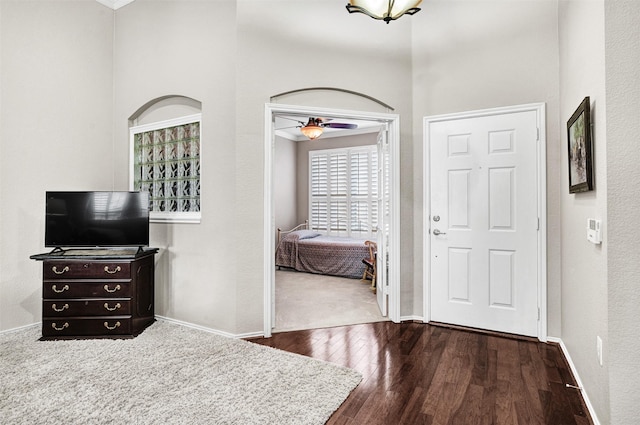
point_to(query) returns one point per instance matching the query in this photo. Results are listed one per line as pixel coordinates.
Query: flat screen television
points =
(97, 219)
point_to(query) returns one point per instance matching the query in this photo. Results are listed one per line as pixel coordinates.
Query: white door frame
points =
(393, 121)
(541, 163)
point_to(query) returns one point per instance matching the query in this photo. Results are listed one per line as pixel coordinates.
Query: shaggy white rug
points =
(169, 374)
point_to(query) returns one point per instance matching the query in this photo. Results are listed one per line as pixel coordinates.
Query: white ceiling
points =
(288, 126)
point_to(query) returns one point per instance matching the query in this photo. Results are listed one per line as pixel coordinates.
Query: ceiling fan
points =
(315, 126)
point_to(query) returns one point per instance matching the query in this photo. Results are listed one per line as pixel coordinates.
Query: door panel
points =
(458, 207)
(459, 259)
(501, 282)
(484, 222)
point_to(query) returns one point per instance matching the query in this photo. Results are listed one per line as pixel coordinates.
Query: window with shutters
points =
(343, 191)
(166, 163)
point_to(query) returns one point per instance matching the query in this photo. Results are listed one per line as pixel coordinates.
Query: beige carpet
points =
(310, 301)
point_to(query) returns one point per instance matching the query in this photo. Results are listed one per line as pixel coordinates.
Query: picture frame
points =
(579, 146)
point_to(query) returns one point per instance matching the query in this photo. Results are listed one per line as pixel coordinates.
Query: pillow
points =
(302, 234)
(307, 234)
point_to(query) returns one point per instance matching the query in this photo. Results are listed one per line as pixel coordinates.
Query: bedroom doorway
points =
(387, 235)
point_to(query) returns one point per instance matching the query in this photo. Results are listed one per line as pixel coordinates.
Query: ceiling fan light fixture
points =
(311, 130)
(386, 10)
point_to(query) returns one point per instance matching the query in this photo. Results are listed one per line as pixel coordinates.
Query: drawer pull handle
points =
(106, 325)
(115, 307)
(63, 308)
(106, 288)
(116, 270)
(64, 288)
(61, 328)
(55, 270)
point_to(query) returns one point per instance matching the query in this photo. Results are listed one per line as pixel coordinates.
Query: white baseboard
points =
(210, 330)
(574, 371)
(411, 319)
(20, 328)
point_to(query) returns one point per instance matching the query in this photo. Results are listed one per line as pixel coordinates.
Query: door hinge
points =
(538, 313)
(537, 134)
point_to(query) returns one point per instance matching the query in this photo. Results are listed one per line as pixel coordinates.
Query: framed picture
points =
(579, 143)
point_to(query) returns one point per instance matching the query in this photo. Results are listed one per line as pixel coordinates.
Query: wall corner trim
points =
(115, 4)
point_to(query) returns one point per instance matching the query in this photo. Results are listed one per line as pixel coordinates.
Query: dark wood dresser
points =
(101, 294)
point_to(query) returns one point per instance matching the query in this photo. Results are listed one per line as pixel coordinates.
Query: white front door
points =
(484, 221)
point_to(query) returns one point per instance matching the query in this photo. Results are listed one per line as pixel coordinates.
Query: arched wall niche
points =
(333, 98)
(164, 108)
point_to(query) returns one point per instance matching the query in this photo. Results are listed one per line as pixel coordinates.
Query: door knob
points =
(438, 232)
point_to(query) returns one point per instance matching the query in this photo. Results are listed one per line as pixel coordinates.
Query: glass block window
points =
(343, 191)
(166, 163)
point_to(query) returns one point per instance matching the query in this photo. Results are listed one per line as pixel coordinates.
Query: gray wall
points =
(470, 55)
(56, 117)
(584, 265)
(274, 39)
(622, 47)
(285, 183)
(73, 72)
(235, 66)
(183, 48)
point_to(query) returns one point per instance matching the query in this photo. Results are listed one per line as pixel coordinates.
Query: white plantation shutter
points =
(338, 217)
(359, 173)
(364, 188)
(319, 193)
(338, 182)
(343, 191)
(319, 215)
(319, 181)
(338, 177)
(360, 217)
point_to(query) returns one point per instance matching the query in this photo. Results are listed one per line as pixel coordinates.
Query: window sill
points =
(193, 218)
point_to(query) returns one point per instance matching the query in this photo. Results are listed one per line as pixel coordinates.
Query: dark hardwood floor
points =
(415, 373)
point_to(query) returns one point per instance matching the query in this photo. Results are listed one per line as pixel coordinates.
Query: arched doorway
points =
(389, 290)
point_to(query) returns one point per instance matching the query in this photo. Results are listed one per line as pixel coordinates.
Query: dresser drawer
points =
(71, 289)
(93, 307)
(86, 270)
(86, 326)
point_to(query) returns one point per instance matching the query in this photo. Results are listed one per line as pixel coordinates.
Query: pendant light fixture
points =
(386, 10)
(312, 129)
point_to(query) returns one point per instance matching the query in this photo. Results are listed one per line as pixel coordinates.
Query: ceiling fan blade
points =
(340, 125)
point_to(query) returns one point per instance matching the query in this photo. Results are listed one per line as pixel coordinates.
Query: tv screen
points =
(97, 219)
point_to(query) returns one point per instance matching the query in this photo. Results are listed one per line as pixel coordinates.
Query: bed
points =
(308, 251)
